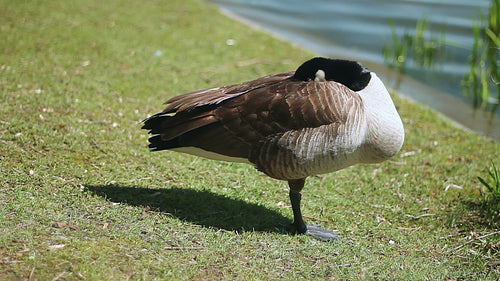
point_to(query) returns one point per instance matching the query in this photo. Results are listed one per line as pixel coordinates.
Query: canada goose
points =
(325, 116)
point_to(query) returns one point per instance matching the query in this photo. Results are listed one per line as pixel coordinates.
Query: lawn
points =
(82, 198)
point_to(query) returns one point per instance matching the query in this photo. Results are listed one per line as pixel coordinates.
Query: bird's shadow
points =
(200, 207)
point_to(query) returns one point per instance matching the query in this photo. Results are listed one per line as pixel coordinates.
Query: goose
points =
(325, 116)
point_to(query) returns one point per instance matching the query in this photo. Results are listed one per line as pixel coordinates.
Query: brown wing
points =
(213, 96)
(253, 119)
(286, 125)
(189, 119)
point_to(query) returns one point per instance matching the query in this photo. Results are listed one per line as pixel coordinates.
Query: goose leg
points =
(315, 231)
(298, 222)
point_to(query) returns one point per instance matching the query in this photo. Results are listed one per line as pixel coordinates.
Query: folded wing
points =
(288, 128)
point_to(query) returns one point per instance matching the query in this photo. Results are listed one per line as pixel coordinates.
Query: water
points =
(359, 29)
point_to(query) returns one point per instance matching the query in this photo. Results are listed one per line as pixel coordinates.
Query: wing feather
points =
(275, 122)
(217, 95)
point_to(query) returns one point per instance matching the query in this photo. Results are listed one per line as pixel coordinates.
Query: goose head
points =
(348, 73)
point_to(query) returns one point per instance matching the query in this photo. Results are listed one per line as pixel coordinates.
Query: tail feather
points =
(156, 143)
(208, 136)
(170, 127)
(168, 130)
(153, 123)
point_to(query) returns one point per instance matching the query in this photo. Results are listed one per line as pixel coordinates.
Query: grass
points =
(81, 197)
(494, 188)
(491, 198)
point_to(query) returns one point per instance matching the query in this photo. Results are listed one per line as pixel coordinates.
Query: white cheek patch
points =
(320, 76)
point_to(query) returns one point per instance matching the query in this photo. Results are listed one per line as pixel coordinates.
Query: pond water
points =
(360, 29)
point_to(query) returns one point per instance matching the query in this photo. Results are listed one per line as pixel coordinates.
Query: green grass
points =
(81, 197)
(491, 196)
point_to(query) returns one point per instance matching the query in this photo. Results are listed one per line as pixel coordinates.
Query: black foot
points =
(321, 233)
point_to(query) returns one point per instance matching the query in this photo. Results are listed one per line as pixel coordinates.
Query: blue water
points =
(359, 29)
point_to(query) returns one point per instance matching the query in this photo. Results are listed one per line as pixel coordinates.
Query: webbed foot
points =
(316, 231)
(321, 233)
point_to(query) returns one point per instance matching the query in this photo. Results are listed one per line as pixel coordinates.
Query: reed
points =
(424, 50)
(422, 47)
(483, 78)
